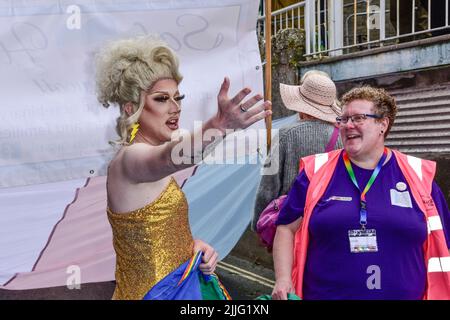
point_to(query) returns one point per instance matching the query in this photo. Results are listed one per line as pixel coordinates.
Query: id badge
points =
(363, 240)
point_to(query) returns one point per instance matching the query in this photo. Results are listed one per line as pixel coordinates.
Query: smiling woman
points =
(147, 210)
(367, 119)
(365, 222)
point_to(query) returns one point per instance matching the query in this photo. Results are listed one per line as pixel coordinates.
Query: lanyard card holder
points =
(363, 240)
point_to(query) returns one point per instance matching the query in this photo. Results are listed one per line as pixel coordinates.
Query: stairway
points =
(422, 125)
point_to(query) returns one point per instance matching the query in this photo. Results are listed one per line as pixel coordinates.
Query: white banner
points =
(53, 128)
(54, 134)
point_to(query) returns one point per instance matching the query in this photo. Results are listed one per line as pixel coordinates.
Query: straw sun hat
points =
(315, 97)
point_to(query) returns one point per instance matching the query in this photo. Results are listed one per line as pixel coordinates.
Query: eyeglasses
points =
(357, 119)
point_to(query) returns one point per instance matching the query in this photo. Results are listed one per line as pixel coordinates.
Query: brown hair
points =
(384, 103)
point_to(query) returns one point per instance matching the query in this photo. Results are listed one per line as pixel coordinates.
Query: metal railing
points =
(329, 31)
(289, 17)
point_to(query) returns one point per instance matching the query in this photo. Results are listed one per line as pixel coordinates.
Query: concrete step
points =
(428, 109)
(423, 142)
(421, 94)
(419, 127)
(419, 151)
(421, 134)
(425, 117)
(439, 103)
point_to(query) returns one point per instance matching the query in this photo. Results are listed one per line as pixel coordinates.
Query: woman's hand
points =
(282, 288)
(209, 258)
(234, 113)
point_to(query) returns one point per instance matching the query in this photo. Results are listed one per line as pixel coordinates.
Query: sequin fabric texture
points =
(150, 242)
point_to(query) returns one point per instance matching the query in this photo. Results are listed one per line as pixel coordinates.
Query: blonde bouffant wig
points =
(126, 70)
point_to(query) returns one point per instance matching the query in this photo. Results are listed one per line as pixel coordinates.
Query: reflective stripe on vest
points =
(439, 264)
(434, 223)
(320, 160)
(416, 165)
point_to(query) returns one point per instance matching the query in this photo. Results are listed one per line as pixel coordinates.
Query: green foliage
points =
(288, 47)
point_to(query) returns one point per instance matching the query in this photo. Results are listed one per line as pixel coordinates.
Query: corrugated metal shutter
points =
(422, 125)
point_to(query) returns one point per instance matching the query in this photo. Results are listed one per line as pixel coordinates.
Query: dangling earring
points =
(134, 130)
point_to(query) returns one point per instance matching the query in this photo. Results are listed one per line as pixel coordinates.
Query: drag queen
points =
(156, 255)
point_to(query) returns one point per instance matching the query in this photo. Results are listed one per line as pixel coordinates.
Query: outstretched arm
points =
(146, 163)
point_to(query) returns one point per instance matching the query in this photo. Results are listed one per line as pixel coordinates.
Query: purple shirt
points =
(397, 270)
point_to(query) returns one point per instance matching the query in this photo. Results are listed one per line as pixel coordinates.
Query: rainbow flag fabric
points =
(187, 282)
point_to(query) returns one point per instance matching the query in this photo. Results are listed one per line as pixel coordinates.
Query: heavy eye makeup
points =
(164, 98)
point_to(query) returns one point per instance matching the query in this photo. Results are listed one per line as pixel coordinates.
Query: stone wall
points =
(288, 48)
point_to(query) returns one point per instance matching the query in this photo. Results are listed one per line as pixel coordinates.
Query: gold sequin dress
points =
(150, 242)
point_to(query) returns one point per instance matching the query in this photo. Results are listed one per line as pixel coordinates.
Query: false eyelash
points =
(162, 98)
(165, 98)
(179, 98)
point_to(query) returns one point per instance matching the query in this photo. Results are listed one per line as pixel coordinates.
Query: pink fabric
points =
(82, 238)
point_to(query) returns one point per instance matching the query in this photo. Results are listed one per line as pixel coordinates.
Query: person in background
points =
(315, 101)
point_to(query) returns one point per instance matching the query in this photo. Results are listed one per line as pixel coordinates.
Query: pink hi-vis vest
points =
(419, 175)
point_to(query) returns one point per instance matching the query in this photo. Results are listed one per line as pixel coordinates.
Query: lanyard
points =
(351, 173)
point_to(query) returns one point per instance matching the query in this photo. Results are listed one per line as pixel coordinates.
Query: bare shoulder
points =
(124, 192)
(131, 154)
(136, 150)
(139, 161)
(116, 169)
